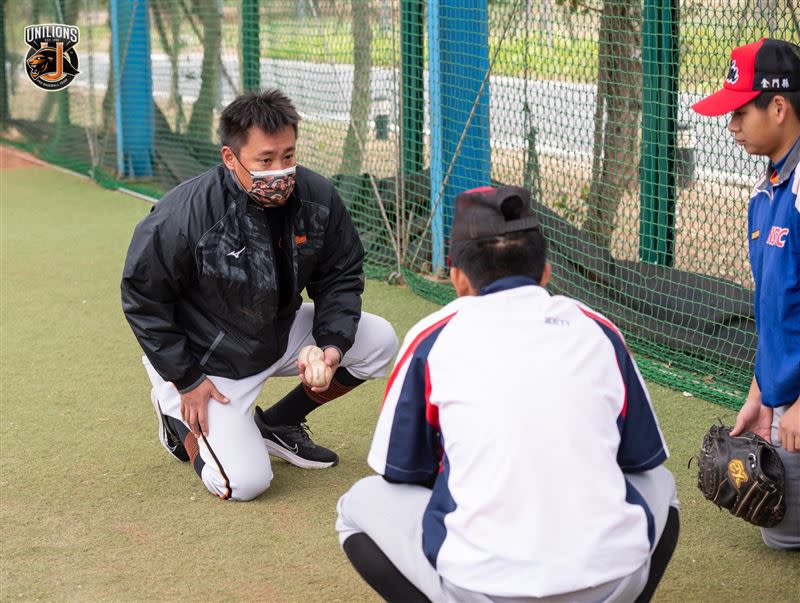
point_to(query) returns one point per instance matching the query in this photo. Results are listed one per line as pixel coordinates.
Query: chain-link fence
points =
(584, 102)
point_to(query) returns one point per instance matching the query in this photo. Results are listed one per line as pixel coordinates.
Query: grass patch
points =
(93, 509)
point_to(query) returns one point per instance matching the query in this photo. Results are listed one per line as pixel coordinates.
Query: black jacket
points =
(201, 287)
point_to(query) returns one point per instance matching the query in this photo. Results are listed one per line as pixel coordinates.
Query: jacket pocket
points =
(217, 341)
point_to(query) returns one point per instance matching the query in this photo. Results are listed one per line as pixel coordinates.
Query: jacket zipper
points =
(211, 349)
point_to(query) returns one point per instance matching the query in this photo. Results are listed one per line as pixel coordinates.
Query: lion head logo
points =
(45, 62)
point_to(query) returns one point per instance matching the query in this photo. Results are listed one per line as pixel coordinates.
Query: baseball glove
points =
(743, 474)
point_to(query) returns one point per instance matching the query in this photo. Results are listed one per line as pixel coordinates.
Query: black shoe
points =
(293, 444)
(169, 440)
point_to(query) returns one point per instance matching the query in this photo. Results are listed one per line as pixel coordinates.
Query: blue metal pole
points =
(133, 87)
(458, 43)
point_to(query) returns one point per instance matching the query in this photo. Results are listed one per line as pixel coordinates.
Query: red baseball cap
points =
(764, 66)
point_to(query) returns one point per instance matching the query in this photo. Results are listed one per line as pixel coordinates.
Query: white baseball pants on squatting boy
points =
(391, 515)
(236, 461)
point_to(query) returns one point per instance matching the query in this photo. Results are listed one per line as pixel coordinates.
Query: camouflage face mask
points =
(271, 188)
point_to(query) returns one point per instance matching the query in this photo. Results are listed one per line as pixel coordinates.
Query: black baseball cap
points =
(490, 211)
(765, 66)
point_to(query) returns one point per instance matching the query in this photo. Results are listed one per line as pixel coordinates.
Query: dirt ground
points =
(11, 158)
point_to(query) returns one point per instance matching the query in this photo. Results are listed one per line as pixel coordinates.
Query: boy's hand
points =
(754, 417)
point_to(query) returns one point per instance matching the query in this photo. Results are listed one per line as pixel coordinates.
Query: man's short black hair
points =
(270, 111)
(486, 260)
(763, 100)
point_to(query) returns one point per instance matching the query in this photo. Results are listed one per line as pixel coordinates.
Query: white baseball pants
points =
(391, 515)
(237, 465)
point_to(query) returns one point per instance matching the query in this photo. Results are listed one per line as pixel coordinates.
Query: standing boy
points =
(762, 93)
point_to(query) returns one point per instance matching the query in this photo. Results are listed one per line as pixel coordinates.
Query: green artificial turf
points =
(92, 508)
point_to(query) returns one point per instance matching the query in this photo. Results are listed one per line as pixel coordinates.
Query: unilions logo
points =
(52, 62)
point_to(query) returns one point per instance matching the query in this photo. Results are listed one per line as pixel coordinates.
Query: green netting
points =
(584, 102)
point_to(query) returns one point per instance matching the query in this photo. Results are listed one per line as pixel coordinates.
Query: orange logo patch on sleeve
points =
(737, 472)
(755, 234)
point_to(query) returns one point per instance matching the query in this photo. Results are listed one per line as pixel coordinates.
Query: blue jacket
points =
(774, 234)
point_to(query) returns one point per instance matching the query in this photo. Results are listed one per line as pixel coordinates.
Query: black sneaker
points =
(169, 440)
(293, 444)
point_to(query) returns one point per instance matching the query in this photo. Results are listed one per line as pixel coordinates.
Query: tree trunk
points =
(172, 48)
(175, 93)
(107, 108)
(46, 108)
(4, 112)
(201, 122)
(69, 12)
(617, 116)
(353, 152)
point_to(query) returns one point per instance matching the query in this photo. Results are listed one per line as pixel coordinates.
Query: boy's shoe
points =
(169, 440)
(293, 444)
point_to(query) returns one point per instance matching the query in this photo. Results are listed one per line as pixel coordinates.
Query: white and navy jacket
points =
(524, 411)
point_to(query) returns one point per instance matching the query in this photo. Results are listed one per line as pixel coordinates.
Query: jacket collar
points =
(507, 282)
(784, 169)
(232, 186)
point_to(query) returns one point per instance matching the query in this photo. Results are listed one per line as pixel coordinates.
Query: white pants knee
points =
(236, 463)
